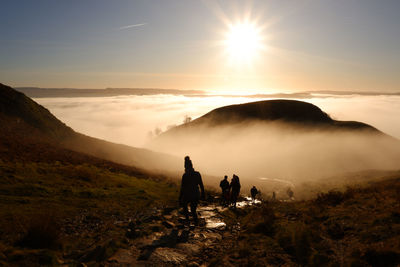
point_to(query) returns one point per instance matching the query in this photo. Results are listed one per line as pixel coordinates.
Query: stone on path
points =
(168, 255)
(168, 224)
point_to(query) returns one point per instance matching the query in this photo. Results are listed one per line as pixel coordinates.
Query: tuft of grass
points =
(302, 244)
(382, 258)
(331, 198)
(265, 221)
(42, 231)
(297, 240)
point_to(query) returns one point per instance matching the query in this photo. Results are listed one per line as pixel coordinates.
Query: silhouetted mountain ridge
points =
(30, 132)
(280, 110)
(287, 110)
(16, 105)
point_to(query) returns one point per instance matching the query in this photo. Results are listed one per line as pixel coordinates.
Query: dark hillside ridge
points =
(280, 110)
(30, 132)
(16, 105)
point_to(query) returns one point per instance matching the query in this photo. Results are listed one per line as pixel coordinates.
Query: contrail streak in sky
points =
(131, 26)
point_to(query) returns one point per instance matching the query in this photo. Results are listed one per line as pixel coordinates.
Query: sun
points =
(243, 42)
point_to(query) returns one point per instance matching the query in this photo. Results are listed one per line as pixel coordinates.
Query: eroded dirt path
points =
(179, 244)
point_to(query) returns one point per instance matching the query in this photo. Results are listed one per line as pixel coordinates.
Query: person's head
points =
(225, 177)
(188, 164)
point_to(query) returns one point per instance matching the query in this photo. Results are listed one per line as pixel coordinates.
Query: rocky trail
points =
(172, 241)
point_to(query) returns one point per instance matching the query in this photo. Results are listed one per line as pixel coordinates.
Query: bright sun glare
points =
(243, 42)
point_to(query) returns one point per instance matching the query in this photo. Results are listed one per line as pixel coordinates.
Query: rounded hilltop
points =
(269, 110)
(279, 110)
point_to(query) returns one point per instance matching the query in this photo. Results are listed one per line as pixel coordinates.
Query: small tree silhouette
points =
(157, 131)
(187, 119)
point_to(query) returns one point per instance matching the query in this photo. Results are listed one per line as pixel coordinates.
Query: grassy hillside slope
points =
(48, 210)
(56, 201)
(358, 226)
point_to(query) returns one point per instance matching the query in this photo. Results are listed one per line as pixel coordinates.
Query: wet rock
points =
(202, 222)
(175, 213)
(168, 224)
(167, 240)
(168, 217)
(212, 236)
(100, 252)
(131, 225)
(2, 256)
(215, 223)
(124, 257)
(227, 235)
(146, 253)
(119, 223)
(167, 210)
(145, 243)
(168, 256)
(132, 234)
(236, 255)
(152, 218)
(155, 227)
(184, 236)
(182, 220)
(189, 248)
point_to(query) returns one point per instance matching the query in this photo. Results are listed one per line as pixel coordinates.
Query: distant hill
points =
(29, 131)
(78, 92)
(286, 111)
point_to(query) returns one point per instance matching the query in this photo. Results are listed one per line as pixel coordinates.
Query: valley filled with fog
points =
(133, 120)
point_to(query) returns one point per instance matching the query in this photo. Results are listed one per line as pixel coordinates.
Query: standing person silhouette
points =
(190, 194)
(235, 189)
(253, 193)
(224, 184)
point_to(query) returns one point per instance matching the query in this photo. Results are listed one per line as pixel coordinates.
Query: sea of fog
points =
(132, 120)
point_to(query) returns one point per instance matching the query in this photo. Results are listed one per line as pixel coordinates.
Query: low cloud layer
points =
(129, 119)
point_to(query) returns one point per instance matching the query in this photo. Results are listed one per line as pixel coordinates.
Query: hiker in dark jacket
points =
(290, 193)
(253, 192)
(224, 184)
(235, 189)
(190, 194)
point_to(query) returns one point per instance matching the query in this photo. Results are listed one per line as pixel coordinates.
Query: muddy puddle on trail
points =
(212, 213)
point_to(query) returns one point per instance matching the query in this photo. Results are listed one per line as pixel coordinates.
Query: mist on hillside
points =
(260, 152)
